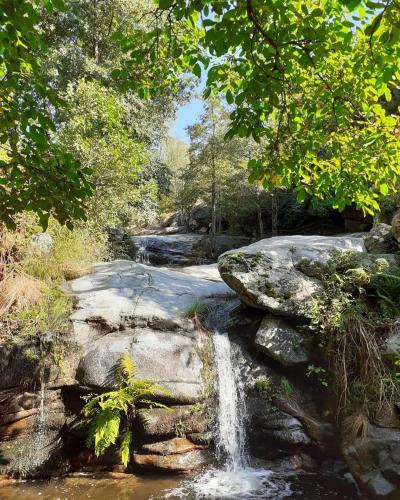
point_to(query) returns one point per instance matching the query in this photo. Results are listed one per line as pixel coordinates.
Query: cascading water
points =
(234, 478)
(142, 255)
(231, 437)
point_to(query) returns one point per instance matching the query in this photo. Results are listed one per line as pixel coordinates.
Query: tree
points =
(95, 133)
(109, 130)
(217, 171)
(308, 79)
(36, 173)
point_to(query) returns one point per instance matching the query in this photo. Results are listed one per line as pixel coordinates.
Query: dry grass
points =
(17, 291)
(355, 427)
(361, 377)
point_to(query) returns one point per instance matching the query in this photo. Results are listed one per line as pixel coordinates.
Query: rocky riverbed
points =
(259, 302)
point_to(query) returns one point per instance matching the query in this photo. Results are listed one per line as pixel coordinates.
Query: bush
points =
(110, 414)
(353, 317)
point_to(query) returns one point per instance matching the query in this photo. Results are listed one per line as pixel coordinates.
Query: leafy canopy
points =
(36, 173)
(314, 81)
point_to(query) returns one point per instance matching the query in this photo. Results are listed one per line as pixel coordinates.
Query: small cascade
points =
(234, 477)
(36, 452)
(231, 437)
(142, 254)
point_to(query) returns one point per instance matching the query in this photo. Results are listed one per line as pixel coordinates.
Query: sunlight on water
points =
(235, 478)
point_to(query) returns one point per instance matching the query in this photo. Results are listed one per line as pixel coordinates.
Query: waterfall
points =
(234, 478)
(231, 437)
(38, 448)
(142, 253)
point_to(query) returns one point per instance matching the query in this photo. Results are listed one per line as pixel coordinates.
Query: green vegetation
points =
(110, 414)
(312, 82)
(262, 385)
(286, 387)
(353, 318)
(181, 429)
(37, 173)
(195, 311)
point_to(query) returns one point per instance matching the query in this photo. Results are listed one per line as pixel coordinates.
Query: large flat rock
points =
(122, 293)
(125, 306)
(281, 274)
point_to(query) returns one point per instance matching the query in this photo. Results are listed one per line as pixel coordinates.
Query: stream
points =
(235, 475)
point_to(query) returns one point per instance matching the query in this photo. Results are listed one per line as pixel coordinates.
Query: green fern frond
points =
(126, 442)
(126, 370)
(103, 430)
(106, 410)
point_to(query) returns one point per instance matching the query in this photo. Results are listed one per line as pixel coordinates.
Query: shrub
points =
(353, 317)
(111, 413)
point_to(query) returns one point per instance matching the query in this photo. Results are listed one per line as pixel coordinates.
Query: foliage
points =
(37, 174)
(311, 81)
(262, 384)
(319, 372)
(286, 387)
(181, 429)
(216, 173)
(96, 134)
(353, 318)
(111, 413)
(34, 312)
(197, 308)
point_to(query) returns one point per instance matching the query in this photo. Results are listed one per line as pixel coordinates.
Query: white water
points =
(234, 478)
(34, 455)
(142, 255)
(231, 437)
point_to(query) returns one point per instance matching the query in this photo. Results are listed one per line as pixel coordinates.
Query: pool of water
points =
(207, 485)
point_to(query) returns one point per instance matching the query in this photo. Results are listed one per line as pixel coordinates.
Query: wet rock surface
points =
(169, 249)
(374, 462)
(170, 422)
(180, 463)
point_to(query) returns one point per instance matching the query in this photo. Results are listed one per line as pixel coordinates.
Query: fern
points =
(109, 412)
(103, 430)
(387, 284)
(126, 442)
(126, 370)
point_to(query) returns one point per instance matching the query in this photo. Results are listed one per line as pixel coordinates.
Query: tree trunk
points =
(213, 209)
(260, 221)
(274, 215)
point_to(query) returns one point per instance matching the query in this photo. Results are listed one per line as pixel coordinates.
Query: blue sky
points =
(189, 113)
(186, 115)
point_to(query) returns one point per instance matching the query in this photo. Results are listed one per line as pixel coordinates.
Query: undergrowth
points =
(110, 415)
(353, 319)
(34, 311)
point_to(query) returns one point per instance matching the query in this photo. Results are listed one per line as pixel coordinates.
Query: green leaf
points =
(197, 70)
(384, 189)
(229, 97)
(126, 443)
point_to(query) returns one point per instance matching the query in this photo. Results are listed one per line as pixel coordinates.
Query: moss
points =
(270, 291)
(238, 256)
